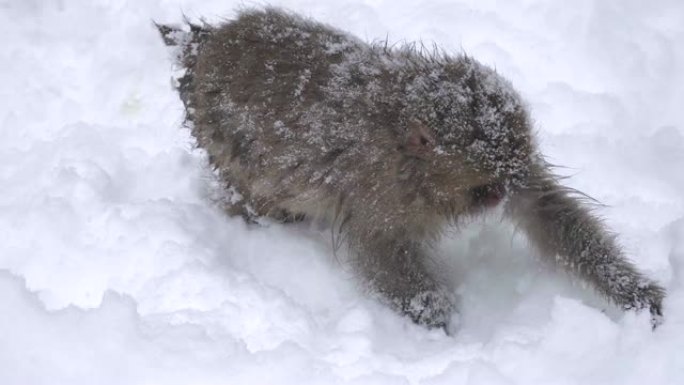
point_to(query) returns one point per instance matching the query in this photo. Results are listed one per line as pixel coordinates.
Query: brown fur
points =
(388, 144)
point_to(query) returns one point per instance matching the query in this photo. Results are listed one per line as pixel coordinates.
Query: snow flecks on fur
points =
(392, 143)
(116, 268)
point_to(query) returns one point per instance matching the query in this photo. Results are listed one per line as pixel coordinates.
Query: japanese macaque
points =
(388, 144)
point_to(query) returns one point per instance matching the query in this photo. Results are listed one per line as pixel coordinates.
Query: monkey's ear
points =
(419, 139)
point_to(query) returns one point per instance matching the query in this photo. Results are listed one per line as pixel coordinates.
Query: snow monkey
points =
(388, 144)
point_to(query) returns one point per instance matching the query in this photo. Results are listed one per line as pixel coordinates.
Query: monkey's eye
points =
(424, 141)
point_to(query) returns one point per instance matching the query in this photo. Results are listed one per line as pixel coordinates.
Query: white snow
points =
(116, 268)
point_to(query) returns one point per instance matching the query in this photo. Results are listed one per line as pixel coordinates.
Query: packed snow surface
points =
(116, 267)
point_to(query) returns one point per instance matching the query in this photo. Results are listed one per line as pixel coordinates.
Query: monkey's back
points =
(286, 110)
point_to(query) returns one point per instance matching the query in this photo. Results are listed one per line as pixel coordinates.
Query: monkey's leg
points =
(562, 227)
(394, 267)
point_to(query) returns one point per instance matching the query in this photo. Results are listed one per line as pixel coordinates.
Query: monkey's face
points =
(472, 141)
(456, 178)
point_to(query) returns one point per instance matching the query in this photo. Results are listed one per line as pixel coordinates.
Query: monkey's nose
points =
(489, 195)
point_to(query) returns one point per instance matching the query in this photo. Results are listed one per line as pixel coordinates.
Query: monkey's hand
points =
(649, 295)
(431, 308)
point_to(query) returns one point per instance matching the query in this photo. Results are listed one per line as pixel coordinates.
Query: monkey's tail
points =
(188, 43)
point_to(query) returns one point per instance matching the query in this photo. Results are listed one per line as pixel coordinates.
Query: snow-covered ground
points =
(115, 267)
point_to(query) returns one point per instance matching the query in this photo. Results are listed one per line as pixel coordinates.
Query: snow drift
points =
(117, 268)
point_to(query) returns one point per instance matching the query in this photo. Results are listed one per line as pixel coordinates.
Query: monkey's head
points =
(469, 136)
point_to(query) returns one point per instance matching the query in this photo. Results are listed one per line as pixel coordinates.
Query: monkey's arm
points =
(394, 267)
(558, 222)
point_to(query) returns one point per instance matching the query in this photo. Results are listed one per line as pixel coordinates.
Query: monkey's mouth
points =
(488, 195)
